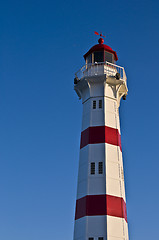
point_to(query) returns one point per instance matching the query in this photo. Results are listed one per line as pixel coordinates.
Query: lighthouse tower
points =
(101, 204)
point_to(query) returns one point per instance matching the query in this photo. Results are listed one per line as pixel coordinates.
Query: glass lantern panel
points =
(109, 57)
(89, 59)
(98, 56)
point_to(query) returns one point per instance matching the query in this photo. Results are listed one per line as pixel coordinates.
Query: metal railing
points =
(100, 68)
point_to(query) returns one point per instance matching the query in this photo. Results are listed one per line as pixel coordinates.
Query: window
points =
(100, 169)
(94, 104)
(109, 57)
(93, 168)
(89, 59)
(91, 238)
(100, 238)
(99, 56)
(100, 103)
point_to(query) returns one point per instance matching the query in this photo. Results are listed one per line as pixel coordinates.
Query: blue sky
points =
(41, 46)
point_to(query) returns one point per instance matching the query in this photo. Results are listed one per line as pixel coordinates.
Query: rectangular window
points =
(109, 57)
(91, 238)
(98, 56)
(94, 104)
(100, 103)
(93, 168)
(89, 59)
(100, 167)
(100, 238)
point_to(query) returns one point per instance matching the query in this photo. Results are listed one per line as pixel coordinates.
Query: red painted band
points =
(99, 205)
(100, 134)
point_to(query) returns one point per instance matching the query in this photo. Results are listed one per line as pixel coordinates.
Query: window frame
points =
(112, 57)
(94, 104)
(100, 104)
(93, 168)
(89, 56)
(100, 168)
(94, 55)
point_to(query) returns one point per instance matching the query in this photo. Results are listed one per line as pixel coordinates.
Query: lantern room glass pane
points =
(89, 59)
(109, 57)
(98, 56)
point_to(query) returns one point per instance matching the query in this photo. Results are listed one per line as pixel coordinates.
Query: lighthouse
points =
(101, 204)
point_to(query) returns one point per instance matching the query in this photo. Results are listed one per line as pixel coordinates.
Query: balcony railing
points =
(100, 68)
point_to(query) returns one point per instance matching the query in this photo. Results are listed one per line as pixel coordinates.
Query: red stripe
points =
(99, 205)
(100, 134)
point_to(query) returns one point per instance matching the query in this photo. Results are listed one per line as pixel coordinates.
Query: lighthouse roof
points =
(101, 47)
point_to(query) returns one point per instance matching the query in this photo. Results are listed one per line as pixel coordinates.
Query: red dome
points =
(100, 47)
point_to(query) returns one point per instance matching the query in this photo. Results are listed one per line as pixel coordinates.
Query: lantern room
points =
(100, 53)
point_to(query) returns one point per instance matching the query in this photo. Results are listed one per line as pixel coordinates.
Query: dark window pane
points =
(94, 104)
(93, 168)
(98, 57)
(100, 167)
(100, 103)
(100, 238)
(109, 57)
(91, 238)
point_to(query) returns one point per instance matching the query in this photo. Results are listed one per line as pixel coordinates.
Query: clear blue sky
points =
(41, 47)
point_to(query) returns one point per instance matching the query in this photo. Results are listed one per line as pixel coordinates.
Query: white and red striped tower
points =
(101, 204)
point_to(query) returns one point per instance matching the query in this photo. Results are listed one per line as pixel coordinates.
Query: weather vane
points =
(100, 40)
(100, 34)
